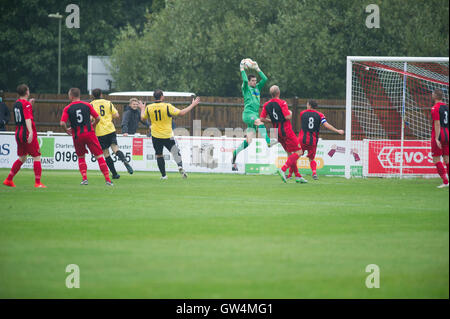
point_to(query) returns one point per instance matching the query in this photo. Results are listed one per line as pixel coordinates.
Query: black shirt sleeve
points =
(125, 120)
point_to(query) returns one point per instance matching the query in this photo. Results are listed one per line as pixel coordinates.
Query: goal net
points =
(388, 114)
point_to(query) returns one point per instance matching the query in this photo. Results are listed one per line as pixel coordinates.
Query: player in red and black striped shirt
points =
(311, 120)
(26, 137)
(79, 114)
(280, 116)
(440, 135)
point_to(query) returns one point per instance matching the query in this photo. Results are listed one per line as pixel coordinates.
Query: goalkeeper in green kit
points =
(252, 94)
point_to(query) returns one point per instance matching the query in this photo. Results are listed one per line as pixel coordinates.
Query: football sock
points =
(441, 172)
(120, 156)
(37, 171)
(161, 165)
(313, 165)
(295, 168)
(176, 155)
(263, 130)
(83, 167)
(14, 169)
(292, 159)
(291, 170)
(104, 168)
(109, 161)
(241, 147)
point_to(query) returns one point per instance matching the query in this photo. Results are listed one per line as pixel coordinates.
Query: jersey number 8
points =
(311, 123)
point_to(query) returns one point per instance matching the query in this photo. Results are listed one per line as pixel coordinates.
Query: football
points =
(249, 63)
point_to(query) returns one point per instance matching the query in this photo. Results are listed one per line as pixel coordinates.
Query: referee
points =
(160, 115)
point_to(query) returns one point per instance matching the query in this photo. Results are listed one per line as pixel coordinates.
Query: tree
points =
(29, 39)
(301, 45)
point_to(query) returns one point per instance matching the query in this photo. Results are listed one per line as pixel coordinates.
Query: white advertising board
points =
(199, 154)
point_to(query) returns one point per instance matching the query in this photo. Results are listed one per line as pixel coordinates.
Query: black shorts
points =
(159, 143)
(107, 140)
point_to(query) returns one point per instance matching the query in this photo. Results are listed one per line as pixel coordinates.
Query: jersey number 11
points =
(156, 115)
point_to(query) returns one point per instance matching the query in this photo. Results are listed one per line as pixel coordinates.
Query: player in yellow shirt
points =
(106, 131)
(160, 115)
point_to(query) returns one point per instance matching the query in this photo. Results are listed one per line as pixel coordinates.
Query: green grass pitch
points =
(222, 236)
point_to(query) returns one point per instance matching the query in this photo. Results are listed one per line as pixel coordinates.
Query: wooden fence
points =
(219, 112)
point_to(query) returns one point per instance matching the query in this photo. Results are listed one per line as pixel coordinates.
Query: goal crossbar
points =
(397, 59)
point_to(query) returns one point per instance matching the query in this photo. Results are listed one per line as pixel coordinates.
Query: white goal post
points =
(388, 114)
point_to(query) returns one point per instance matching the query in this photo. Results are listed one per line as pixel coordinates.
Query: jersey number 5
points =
(79, 116)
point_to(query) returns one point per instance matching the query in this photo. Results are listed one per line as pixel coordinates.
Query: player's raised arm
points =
(145, 123)
(263, 81)
(332, 128)
(190, 107)
(143, 113)
(243, 74)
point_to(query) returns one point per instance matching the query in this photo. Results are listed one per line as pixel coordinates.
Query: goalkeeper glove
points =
(256, 67)
(242, 65)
